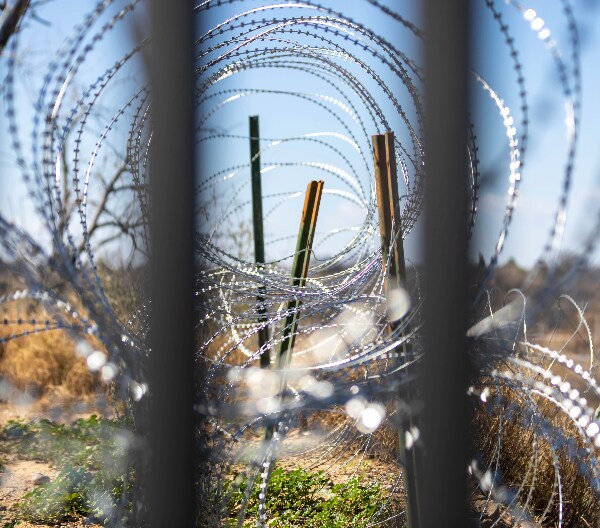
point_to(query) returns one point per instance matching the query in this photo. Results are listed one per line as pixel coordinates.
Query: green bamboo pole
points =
(306, 234)
(259, 239)
(386, 181)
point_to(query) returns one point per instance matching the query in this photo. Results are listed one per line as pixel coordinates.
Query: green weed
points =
(92, 456)
(311, 500)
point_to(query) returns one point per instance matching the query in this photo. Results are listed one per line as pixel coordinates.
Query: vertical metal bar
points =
(257, 211)
(386, 183)
(445, 423)
(170, 500)
(259, 238)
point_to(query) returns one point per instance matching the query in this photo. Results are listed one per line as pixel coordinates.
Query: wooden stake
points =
(386, 181)
(259, 239)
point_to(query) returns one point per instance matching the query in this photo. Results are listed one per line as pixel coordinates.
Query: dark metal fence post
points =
(259, 238)
(445, 366)
(170, 500)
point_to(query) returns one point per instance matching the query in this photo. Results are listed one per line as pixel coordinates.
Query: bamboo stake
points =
(259, 240)
(386, 180)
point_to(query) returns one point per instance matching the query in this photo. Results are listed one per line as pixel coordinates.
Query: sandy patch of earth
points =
(16, 474)
(16, 479)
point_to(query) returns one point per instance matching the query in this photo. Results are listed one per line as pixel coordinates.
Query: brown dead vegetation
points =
(518, 461)
(43, 361)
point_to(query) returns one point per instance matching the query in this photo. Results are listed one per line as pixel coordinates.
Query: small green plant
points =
(74, 493)
(63, 498)
(92, 456)
(85, 442)
(311, 500)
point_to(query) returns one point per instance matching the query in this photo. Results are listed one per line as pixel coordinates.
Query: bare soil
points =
(16, 474)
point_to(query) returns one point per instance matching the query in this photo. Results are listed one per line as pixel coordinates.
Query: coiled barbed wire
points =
(347, 371)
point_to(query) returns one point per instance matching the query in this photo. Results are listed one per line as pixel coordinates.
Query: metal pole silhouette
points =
(445, 365)
(170, 479)
(259, 239)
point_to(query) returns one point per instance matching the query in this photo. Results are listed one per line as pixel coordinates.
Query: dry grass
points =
(581, 507)
(45, 363)
(40, 362)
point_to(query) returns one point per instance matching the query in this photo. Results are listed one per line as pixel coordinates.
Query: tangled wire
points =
(323, 83)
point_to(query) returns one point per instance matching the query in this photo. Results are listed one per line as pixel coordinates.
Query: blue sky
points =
(285, 116)
(544, 167)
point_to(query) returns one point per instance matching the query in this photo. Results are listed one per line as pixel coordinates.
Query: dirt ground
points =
(16, 475)
(16, 480)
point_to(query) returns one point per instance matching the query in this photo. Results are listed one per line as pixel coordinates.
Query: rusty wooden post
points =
(259, 239)
(306, 235)
(392, 247)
